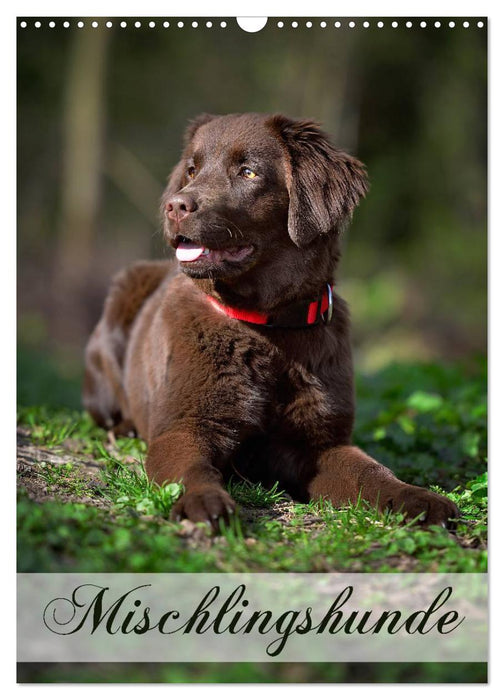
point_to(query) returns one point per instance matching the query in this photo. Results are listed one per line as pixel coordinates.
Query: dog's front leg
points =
(346, 473)
(177, 455)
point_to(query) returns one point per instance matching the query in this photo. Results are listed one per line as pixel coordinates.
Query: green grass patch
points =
(317, 537)
(254, 495)
(427, 423)
(50, 427)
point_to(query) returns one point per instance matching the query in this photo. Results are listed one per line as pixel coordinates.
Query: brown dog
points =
(237, 360)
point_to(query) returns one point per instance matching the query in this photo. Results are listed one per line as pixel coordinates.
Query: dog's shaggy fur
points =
(265, 199)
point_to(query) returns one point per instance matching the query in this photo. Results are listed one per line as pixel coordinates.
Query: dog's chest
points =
(258, 384)
(298, 422)
(302, 404)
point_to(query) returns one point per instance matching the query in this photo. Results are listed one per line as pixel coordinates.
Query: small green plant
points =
(255, 495)
(158, 500)
(478, 488)
(128, 486)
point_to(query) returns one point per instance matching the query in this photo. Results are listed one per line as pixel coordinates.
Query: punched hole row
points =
(295, 24)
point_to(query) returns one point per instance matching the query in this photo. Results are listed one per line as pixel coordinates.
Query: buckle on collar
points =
(326, 316)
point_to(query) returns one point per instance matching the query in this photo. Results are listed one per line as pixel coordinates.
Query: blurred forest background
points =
(101, 113)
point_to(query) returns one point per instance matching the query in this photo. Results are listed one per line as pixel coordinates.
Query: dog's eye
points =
(248, 173)
(191, 172)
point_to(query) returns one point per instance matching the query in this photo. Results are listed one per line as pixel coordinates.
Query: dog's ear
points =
(178, 178)
(324, 183)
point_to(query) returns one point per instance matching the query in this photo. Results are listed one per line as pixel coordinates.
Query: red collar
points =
(300, 314)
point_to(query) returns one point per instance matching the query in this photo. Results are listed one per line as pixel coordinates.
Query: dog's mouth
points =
(187, 251)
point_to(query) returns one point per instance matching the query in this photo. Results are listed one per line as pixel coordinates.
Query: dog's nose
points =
(179, 206)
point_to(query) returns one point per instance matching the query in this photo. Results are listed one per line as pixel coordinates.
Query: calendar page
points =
(252, 341)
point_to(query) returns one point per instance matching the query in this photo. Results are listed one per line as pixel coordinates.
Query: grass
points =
(76, 537)
(255, 495)
(427, 422)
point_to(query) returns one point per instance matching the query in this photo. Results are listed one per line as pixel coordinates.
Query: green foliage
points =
(129, 487)
(75, 537)
(426, 422)
(478, 488)
(472, 501)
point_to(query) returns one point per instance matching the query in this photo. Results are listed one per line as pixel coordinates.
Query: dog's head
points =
(258, 191)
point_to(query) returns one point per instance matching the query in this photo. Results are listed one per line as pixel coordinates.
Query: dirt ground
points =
(30, 456)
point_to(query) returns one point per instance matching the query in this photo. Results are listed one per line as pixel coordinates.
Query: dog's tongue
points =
(187, 252)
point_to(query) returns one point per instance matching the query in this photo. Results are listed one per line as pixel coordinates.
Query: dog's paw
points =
(428, 507)
(206, 504)
(125, 428)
